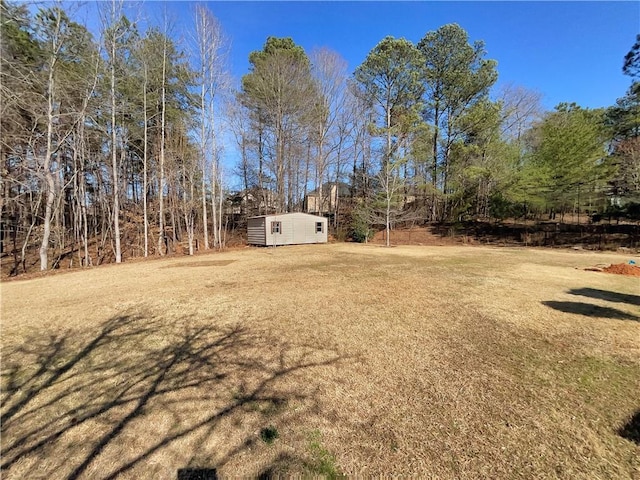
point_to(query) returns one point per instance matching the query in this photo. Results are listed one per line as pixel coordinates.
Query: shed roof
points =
(288, 213)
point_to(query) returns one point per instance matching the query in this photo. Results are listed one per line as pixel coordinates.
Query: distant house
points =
(246, 203)
(325, 199)
(286, 229)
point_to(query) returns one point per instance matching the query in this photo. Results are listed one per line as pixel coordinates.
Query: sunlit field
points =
(325, 360)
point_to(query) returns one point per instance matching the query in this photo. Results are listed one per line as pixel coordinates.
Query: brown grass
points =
(442, 362)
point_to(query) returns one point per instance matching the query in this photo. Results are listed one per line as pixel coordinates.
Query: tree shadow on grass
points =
(631, 429)
(197, 474)
(94, 403)
(281, 466)
(606, 295)
(590, 310)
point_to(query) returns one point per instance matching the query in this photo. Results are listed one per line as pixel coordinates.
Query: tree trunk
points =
(337, 200)
(161, 235)
(214, 193)
(434, 166)
(114, 158)
(387, 185)
(222, 239)
(46, 167)
(245, 177)
(145, 159)
(261, 171)
(203, 152)
(387, 221)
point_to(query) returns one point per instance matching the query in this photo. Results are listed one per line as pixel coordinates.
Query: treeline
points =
(114, 147)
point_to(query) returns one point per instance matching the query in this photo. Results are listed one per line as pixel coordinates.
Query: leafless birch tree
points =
(329, 72)
(211, 48)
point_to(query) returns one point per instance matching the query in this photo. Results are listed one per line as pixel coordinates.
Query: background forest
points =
(114, 147)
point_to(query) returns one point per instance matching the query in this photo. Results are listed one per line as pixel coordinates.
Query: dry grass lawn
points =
(431, 362)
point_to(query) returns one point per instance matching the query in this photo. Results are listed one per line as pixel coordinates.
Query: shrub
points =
(269, 434)
(360, 230)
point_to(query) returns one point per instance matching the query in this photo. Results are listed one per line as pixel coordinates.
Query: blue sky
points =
(568, 51)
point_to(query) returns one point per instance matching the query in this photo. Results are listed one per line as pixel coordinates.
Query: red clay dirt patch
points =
(623, 269)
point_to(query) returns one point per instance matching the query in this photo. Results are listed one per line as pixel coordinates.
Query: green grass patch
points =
(323, 462)
(601, 376)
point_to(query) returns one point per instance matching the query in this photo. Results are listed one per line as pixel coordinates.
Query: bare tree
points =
(80, 153)
(163, 121)
(211, 47)
(145, 155)
(329, 72)
(115, 29)
(62, 39)
(521, 108)
(240, 127)
(55, 44)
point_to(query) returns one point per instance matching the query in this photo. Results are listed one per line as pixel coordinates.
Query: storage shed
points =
(286, 229)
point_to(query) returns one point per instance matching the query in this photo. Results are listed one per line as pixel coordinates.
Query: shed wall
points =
(296, 228)
(256, 231)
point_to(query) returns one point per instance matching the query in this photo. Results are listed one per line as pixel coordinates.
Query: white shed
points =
(286, 229)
